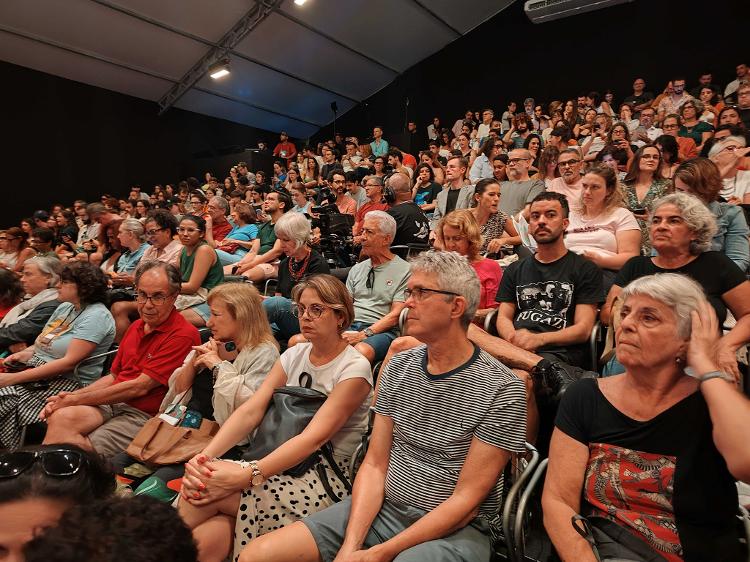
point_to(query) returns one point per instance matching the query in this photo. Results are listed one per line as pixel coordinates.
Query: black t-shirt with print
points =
(713, 271)
(317, 264)
(546, 295)
(412, 226)
(662, 479)
(427, 194)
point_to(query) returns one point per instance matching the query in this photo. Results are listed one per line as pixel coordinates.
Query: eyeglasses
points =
(183, 230)
(56, 462)
(566, 164)
(419, 293)
(514, 161)
(157, 300)
(153, 231)
(314, 311)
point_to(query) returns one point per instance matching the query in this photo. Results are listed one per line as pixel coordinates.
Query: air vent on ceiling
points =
(540, 11)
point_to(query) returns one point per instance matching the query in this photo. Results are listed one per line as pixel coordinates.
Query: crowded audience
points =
(440, 303)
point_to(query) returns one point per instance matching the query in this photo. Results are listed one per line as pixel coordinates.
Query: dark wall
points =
(65, 140)
(510, 58)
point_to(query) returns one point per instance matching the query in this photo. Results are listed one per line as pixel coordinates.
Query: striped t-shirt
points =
(435, 418)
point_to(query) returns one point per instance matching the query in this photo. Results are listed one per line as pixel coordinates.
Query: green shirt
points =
(267, 236)
(215, 275)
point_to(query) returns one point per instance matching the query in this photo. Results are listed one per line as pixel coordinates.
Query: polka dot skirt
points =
(282, 500)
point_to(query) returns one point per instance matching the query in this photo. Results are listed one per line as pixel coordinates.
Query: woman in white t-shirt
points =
(222, 499)
(601, 228)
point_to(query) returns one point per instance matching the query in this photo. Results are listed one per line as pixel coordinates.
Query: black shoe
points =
(552, 378)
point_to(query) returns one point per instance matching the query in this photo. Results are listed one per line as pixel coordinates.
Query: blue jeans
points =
(228, 259)
(279, 312)
(285, 325)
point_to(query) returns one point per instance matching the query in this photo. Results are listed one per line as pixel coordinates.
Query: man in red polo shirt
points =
(374, 191)
(217, 225)
(106, 415)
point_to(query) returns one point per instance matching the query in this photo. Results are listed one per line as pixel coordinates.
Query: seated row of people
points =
(541, 219)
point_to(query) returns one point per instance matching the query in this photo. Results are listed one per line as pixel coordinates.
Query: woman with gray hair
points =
(649, 458)
(132, 237)
(681, 231)
(24, 322)
(293, 233)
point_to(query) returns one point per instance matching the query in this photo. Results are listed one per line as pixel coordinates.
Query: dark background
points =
(64, 140)
(509, 58)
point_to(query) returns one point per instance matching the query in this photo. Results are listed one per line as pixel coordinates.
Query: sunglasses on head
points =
(55, 462)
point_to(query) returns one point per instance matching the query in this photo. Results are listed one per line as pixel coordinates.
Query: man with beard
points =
(569, 182)
(548, 301)
(518, 132)
(519, 191)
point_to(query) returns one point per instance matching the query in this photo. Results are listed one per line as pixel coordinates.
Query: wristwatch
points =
(215, 371)
(256, 478)
(368, 332)
(710, 375)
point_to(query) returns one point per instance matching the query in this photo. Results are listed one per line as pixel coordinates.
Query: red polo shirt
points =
(220, 231)
(359, 216)
(156, 354)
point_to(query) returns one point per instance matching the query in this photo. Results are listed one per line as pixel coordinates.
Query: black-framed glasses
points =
(314, 311)
(419, 293)
(514, 161)
(157, 299)
(370, 283)
(55, 462)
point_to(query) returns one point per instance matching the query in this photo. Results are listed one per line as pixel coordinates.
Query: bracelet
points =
(708, 376)
(256, 478)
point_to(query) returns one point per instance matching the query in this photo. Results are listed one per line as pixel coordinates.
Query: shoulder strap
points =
(327, 452)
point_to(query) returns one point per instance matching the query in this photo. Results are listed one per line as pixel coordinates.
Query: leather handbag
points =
(158, 443)
(288, 414)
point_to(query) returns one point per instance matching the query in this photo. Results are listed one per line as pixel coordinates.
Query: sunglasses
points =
(56, 462)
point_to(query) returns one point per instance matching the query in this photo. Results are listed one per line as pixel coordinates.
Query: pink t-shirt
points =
(490, 273)
(598, 234)
(572, 191)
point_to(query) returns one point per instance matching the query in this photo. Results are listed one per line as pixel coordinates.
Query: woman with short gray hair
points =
(301, 261)
(40, 278)
(673, 421)
(681, 230)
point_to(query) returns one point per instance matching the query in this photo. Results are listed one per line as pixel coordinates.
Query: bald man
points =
(412, 226)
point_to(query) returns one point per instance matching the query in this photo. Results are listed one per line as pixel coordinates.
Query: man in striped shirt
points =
(448, 417)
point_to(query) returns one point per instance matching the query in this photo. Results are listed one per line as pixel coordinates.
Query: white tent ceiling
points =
(286, 70)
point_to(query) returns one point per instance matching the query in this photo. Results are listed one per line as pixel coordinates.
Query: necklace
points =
(297, 268)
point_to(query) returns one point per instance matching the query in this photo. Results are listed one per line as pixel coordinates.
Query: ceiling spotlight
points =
(300, 2)
(219, 69)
